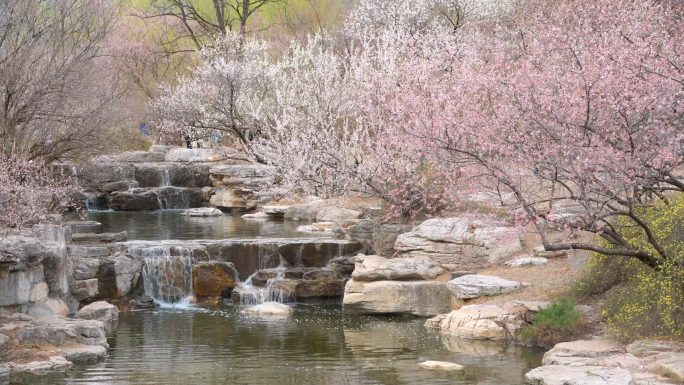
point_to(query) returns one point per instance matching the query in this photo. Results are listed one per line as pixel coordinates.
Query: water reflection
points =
(169, 224)
(318, 345)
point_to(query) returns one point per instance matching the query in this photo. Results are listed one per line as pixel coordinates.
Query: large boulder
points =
(134, 200)
(101, 311)
(466, 243)
(384, 237)
(213, 279)
(421, 298)
(482, 322)
(475, 286)
(48, 307)
(375, 268)
(58, 331)
(103, 278)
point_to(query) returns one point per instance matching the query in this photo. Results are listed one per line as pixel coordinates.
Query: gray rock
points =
(275, 211)
(84, 353)
(191, 155)
(421, 298)
(88, 251)
(539, 251)
(78, 227)
(331, 214)
(101, 311)
(375, 268)
(528, 261)
(456, 274)
(121, 185)
(580, 375)
(303, 212)
(15, 289)
(85, 289)
(470, 244)
(53, 363)
(384, 237)
(440, 365)
(3, 340)
(476, 286)
(102, 237)
(203, 212)
(670, 364)
(134, 200)
(85, 268)
(60, 331)
(242, 176)
(482, 322)
(48, 307)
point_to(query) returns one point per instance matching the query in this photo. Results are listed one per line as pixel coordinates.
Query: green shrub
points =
(557, 323)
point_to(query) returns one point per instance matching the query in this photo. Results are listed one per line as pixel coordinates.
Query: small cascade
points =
(74, 176)
(173, 198)
(277, 289)
(165, 178)
(167, 274)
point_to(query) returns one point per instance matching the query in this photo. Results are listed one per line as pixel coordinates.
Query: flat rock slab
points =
(440, 365)
(578, 375)
(476, 286)
(53, 363)
(528, 261)
(203, 212)
(275, 211)
(370, 268)
(259, 215)
(86, 251)
(102, 237)
(539, 251)
(270, 308)
(670, 364)
(85, 353)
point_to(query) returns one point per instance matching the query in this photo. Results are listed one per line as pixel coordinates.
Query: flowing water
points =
(170, 224)
(318, 344)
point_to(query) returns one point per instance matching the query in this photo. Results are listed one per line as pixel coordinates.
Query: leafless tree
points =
(56, 87)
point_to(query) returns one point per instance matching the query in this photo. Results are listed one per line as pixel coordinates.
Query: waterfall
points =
(165, 178)
(167, 273)
(173, 198)
(277, 289)
(74, 175)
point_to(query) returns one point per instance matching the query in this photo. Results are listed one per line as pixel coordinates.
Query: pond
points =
(170, 224)
(318, 344)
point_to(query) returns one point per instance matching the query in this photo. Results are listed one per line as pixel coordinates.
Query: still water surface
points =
(170, 224)
(317, 345)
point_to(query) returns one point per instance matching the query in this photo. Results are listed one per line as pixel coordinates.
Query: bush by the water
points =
(641, 301)
(557, 323)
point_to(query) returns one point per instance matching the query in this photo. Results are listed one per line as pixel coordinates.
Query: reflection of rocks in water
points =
(474, 347)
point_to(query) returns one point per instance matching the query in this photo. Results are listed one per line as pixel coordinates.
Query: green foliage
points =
(640, 301)
(557, 323)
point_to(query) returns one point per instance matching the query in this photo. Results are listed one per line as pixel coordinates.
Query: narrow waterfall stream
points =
(167, 274)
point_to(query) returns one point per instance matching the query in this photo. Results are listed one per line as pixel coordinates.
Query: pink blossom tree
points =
(572, 112)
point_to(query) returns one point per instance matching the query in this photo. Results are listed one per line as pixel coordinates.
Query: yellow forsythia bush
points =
(640, 301)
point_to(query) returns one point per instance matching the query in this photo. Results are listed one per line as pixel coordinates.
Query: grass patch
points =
(558, 323)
